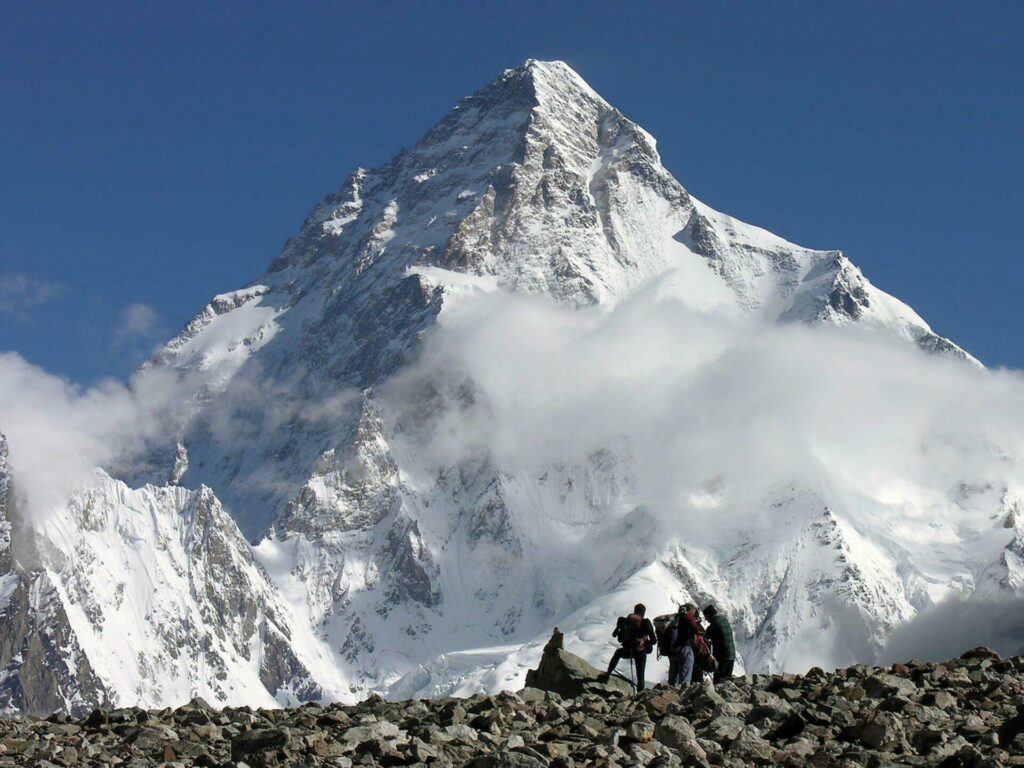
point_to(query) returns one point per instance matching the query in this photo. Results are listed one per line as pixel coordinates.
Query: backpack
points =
(702, 657)
(631, 633)
(663, 632)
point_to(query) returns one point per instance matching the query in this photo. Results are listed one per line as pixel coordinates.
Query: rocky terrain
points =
(964, 712)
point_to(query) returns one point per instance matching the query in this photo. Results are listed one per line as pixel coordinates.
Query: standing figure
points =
(684, 630)
(636, 639)
(722, 645)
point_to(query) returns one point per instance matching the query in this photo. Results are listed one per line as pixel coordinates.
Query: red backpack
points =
(702, 656)
(631, 633)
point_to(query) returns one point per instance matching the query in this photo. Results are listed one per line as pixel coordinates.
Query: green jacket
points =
(719, 632)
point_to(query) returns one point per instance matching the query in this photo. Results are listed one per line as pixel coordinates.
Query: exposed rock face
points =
(43, 666)
(965, 712)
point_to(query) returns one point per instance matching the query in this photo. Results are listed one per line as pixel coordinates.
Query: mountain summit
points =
(289, 537)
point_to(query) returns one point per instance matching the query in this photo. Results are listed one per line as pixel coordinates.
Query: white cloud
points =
(137, 323)
(58, 432)
(19, 294)
(696, 398)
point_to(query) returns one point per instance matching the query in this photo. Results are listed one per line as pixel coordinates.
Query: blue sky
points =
(153, 155)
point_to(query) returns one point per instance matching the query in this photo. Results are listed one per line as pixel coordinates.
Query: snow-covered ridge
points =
(213, 624)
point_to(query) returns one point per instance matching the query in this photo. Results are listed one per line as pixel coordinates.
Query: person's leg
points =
(641, 664)
(673, 669)
(724, 670)
(686, 662)
(615, 660)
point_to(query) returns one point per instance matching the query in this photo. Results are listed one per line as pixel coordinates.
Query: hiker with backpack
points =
(636, 639)
(722, 644)
(682, 633)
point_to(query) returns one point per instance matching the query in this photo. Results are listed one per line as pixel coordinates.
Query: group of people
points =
(693, 649)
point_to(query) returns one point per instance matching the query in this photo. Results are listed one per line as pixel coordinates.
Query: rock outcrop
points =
(964, 712)
(568, 675)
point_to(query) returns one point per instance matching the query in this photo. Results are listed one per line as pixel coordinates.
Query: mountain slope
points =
(534, 184)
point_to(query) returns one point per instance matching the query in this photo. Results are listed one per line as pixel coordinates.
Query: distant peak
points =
(556, 64)
(555, 77)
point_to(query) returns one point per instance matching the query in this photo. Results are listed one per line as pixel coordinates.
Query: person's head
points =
(639, 609)
(688, 608)
(710, 610)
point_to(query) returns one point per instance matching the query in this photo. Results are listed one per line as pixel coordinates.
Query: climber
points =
(684, 630)
(722, 645)
(636, 639)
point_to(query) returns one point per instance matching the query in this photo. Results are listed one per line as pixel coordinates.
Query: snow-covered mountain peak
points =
(534, 184)
(299, 494)
(518, 172)
(553, 76)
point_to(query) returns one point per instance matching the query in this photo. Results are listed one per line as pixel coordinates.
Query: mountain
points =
(290, 536)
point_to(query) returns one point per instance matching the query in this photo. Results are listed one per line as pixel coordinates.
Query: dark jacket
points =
(685, 627)
(720, 635)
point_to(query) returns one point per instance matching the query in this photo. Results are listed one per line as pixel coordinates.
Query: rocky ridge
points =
(964, 712)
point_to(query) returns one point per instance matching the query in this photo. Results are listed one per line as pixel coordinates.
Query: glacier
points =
(327, 512)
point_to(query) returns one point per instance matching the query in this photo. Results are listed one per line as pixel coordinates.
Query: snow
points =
(231, 329)
(140, 592)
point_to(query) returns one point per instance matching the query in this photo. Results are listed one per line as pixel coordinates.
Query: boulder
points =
(750, 746)
(674, 731)
(881, 731)
(569, 676)
(981, 653)
(253, 742)
(640, 731)
(882, 686)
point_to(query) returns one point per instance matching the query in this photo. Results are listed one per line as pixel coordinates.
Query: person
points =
(685, 627)
(723, 647)
(636, 639)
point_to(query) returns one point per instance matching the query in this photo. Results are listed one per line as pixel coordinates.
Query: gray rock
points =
(460, 732)
(378, 731)
(881, 686)
(640, 730)
(724, 728)
(749, 744)
(882, 730)
(981, 653)
(674, 731)
(253, 742)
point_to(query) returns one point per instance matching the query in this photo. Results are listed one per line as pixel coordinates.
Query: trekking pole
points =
(632, 677)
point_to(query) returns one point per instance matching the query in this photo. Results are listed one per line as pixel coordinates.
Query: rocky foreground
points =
(965, 712)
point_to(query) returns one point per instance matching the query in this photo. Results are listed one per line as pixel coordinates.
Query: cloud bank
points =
(59, 432)
(713, 413)
(703, 401)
